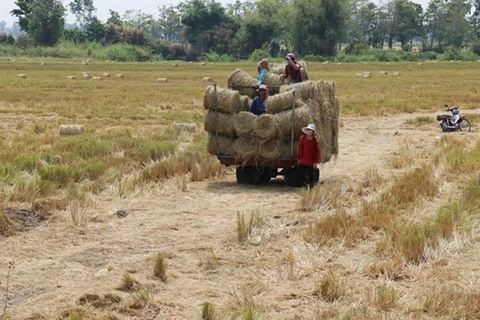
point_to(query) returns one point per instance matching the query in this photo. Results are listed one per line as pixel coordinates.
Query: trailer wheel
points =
(245, 175)
(293, 178)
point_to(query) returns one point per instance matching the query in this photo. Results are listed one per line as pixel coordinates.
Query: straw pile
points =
(227, 100)
(224, 145)
(245, 135)
(243, 123)
(223, 122)
(71, 129)
(265, 126)
(277, 70)
(242, 82)
(303, 117)
(273, 81)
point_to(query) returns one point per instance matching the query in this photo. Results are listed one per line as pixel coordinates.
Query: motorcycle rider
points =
(455, 115)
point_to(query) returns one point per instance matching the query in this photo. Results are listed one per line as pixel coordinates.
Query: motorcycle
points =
(445, 122)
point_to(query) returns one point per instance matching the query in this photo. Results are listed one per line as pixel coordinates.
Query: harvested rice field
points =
(129, 216)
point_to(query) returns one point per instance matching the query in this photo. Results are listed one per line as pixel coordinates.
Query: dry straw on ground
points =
(265, 126)
(228, 101)
(245, 103)
(219, 121)
(273, 81)
(303, 90)
(247, 146)
(220, 145)
(71, 129)
(243, 123)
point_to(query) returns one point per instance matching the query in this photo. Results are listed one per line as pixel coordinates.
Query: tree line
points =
(272, 27)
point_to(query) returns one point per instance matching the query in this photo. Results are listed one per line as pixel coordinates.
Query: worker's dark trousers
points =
(306, 174)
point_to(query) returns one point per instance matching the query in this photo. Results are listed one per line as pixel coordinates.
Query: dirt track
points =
(55, 264)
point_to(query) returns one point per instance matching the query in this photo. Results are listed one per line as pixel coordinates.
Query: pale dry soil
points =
(56, 263)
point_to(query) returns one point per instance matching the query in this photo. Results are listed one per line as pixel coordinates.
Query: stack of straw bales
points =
(235, 131)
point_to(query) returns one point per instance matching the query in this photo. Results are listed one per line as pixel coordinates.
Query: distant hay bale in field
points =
(87, 77)
(70, 129)
(277, 70)
(72, 78)
(228, 101)
(225, 145)
(175, 65)
(120, 75)
(326, 62)
(22, 76)
(85, 63)
(245, 103)
(265, 126)
(286, 151)
(270, 148)
(208, 79)
(106, 75)
(243, 82)
(85, 73)
(396, 73)
(43, 63)
(367, 74)
(203, 63)
(188, 127)
(302, 118)
(223, 122)
(383, 72)
(304, 90)
(97, 78)
(162, 80)
(247, 146)
(243, 123)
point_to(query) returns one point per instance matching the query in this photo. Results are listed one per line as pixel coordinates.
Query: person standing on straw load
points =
(258, 104)
(262, 69)
(294, 71)
(308, 155)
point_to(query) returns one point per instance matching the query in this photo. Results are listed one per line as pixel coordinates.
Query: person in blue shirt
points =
(262, 69)
(258, 104)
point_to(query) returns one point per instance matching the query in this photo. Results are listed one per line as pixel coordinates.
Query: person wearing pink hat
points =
(308, 155)
(294, 71)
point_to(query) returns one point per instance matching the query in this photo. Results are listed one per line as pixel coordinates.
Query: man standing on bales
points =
(294, 71)
(258, 104)
(308, 155)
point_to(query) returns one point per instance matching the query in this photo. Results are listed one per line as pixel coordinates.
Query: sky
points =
(146, 6)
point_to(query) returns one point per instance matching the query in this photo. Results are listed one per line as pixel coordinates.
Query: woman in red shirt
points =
(308, 155)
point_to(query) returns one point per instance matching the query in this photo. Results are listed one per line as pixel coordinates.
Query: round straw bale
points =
(106, 75)
(97, 78)
(121, 76)
(279, 102)
(162, 80)
(270, 148)
(187, 127)
(304, 90)
(243, 123)
(72, 78)
(247, 146)
(223, 122)
(265, 126)
(286, 151)
(303, 117)
(277, 70)
(70, 129)
(22, 76)
(245, 103)
(227, 100)
(273, 81)
(243, 82)
(87, 77)
(208, 79)
(85, 63)
(225, 145)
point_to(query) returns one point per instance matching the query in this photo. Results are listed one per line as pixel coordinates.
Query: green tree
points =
(114, 18)
(22, 12)
(95, 30)
(433, 19)
(43, 20)
(456, 30)
(317, 26)
(408, 20)
(83, 10)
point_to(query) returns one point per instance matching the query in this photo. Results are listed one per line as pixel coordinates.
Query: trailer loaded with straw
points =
(263, 147)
